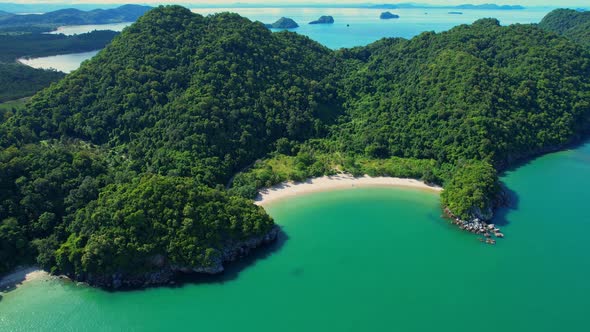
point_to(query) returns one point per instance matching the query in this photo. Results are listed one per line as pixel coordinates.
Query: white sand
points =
(21, 275)
(336, 182)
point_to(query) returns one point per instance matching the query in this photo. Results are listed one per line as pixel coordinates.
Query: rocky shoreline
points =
(477, 226)
(166, 273)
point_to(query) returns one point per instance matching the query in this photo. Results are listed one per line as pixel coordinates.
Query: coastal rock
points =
(167, 273)
(388, 16)
(323, 20)
(283, 23)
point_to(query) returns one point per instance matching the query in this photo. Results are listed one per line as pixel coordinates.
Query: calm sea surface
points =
(370, 260)
(352, 27)
(65, 62)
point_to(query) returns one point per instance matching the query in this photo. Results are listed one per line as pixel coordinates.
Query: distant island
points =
(283, 23)
(456, 13)
(465, 6)
(323, 20)
(71, 16)
(388, 16)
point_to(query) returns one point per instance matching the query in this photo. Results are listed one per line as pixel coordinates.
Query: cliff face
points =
(163, 273)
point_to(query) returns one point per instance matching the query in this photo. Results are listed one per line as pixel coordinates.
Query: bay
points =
(64, 62)
(369, 260)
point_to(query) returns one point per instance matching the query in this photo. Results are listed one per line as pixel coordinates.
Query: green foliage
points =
(43, 44)
(18, 81)
(196, 98)
(472, 191)
(157, 215)
(569, 23)
(13, 244)
(481, 91)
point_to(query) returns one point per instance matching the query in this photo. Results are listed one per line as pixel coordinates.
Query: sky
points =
(581, 3)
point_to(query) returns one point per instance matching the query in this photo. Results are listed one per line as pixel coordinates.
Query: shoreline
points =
(20, 276)
(290, 189)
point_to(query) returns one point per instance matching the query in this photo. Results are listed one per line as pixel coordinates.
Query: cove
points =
(64, 62)
(377, 259)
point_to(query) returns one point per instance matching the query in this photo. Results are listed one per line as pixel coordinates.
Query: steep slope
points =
(569, 23)
(177, 102)
(450, 108)
(479, 92)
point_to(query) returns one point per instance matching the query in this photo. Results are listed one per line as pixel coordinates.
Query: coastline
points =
(291, 189)
(19, 276)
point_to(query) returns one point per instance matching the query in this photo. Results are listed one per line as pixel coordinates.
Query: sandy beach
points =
(21, 275)
(336, 182)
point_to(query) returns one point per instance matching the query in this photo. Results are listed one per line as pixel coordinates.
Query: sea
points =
(352, 26)
(370, 259)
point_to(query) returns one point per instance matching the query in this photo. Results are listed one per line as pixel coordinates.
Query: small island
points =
(283, 23)
(323, 20)
(456, 13)
(388, 16)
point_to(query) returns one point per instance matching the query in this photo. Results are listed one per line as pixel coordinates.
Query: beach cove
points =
(382, 257)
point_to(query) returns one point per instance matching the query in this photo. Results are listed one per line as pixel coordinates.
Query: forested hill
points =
(116, 174)
(126, 13)
(570, 23)
(117, 169)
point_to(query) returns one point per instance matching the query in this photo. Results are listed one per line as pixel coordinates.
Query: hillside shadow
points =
(233, 269)
(511, 203)
(11, 281)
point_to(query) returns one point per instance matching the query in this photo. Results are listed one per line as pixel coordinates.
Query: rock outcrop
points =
(388, 16)
(323, 20)
(283, 23)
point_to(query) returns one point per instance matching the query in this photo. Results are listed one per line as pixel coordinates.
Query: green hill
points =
(117, 174)
(569, 23)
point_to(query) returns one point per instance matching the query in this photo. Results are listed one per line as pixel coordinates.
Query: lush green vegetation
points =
(24, 36)
(42, 44)
(18, 81)
(569, 23)
(129, 157)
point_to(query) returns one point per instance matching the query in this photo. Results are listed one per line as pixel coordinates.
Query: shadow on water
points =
(233, 269)
(511, 203)
(512, 199)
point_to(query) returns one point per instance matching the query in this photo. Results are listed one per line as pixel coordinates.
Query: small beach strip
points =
(337, 182)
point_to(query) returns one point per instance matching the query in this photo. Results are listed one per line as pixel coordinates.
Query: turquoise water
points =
(364, 27)
(69, 30)
(64, 62)
(370, 260)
